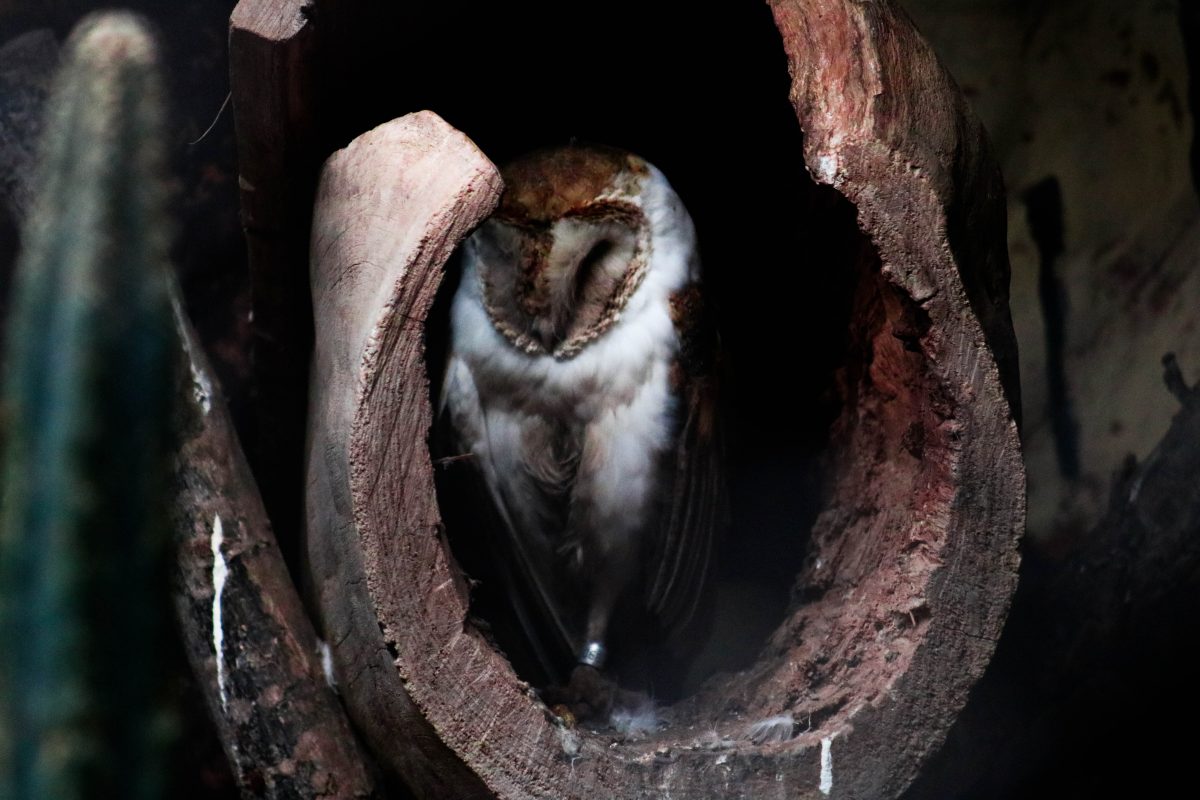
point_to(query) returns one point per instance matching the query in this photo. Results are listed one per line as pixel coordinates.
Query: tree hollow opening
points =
(837, 438)
(876, 475)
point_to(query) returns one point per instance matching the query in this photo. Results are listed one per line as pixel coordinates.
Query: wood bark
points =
(912, 561)
(1086, 106)
(1085, 633)
(1098, 647)
(272, 65)
(250, 644)
(1081, 630)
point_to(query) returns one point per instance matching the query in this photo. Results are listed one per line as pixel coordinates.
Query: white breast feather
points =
(617, 387)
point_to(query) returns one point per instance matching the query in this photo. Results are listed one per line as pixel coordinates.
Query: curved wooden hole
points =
(906, 420)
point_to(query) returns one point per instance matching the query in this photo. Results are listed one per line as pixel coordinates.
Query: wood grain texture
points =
(390, 209)
(1107, 625)
(888, 128)
(912, 562)
(284, 731)
(273, 67)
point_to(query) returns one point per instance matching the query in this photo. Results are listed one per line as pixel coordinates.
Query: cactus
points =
(88, 379)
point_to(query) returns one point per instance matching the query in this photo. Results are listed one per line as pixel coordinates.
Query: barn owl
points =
(580, 380)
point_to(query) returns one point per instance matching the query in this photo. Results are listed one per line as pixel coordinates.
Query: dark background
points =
(1089, 104)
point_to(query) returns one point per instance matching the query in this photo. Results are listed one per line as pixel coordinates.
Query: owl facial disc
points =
(565, 251)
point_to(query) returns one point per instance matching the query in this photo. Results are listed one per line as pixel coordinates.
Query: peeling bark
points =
(912, 561)
(251, 647)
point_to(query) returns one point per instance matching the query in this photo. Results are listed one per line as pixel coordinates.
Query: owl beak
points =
(547, 336)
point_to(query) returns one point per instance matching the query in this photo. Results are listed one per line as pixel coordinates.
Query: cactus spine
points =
(88, 378)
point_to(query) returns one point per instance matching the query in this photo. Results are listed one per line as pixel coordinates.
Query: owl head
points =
(567, 247)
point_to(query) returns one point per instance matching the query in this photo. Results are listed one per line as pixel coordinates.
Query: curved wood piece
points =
(1126, 599)
(911, 563)
(391, 207)
(892, 133)
(250, 644)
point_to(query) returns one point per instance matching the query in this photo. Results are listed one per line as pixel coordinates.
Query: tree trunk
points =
(911, 561)
(272, 60)
(250, 644)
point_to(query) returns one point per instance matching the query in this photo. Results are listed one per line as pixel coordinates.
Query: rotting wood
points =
(1086, 629)
(252, 648)
(913, 561)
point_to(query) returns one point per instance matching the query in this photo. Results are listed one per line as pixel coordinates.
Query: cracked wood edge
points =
(893, 133)
(251, 646)
(390, 209)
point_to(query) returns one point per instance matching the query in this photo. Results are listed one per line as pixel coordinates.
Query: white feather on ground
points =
(636, 721)
(779, 728)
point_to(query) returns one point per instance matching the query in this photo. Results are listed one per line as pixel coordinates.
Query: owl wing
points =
(695, 508)
(517, 564)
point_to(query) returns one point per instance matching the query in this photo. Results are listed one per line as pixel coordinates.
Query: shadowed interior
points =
(829, 410)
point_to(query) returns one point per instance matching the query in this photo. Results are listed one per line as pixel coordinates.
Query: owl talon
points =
(588, 695)
(564, 715)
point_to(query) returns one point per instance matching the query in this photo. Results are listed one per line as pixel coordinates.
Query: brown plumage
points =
(582, 379)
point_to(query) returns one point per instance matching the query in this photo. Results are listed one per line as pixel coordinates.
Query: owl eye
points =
(588, 265)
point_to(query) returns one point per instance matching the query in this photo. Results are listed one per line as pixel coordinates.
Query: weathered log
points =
(272, 61)
(1098, 642)
(250, 644)
(911, 562)
(1100, 639)
(390, 209)
(1085, 102)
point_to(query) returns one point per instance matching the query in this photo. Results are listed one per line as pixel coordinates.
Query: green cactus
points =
(87, 386)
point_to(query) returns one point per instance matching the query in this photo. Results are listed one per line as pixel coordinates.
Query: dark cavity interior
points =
(701, 92)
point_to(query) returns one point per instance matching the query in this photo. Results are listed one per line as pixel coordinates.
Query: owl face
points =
(566, 249)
